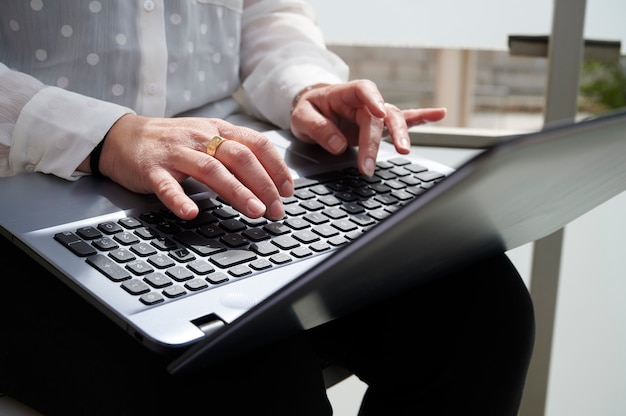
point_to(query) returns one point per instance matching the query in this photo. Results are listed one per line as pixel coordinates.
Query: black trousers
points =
(459, 344)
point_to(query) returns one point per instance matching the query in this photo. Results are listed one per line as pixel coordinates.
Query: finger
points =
(171, 194)
(240, 180)
(365, 92)
(246, 166)
(314, 127)
(266, 154)
(370, 134)
(416, 117)
(271, 161)
(398, 129)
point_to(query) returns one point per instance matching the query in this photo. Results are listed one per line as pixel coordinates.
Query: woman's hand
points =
(354, 113)
(152, 155)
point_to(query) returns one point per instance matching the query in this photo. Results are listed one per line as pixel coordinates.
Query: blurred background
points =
(456, 53)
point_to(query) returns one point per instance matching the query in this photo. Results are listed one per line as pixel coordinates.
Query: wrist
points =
(303, 91)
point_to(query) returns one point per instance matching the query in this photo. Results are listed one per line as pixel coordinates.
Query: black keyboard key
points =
(320, 189)
(158, 280)
(316, 218)
(297, 223)
(161, 261)
(182, 255)
(163, 243)
(146, 233)
(139, 267)
(233, 225)
(168, 227)
(200, 267)
(196, 284)
(402, 195)
(281, 258)
(89, 233)
(174, 291)
(363, 220)
(202, 218)
(231, 258)
(429, 176)
(312, 205)
(395, 184)
(306, 237)
(109, 227)
(108, 267)
(326, 231)
(261, 264)
(104, 244)
(256, 234)
(210, 231)
(179, 273)
(143, 249)
(130, 222)
(199, 244)
(304, 182)
(151, 217)
(330, 200)
(304, 194)
(122, 255)
(234, 240)
(226, 212)
(126, 238)
(399, 161)
(276, 228)
(415, 168)
(253, 222)
(264, 248)
(75, 244)
(301, 252)
(319, 246)
(410, 180)
(285, 242)
(294, 210)
(344, 225)
(135, 286)
(240, 271)
(151, 298)
(216, 278)
(209, 203)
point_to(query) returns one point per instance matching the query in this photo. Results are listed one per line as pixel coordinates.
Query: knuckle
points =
(208, 166)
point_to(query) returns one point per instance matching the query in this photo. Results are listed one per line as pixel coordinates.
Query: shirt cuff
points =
(58, 129)
(270, 90)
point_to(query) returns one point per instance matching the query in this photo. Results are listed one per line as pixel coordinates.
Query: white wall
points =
(480, 24)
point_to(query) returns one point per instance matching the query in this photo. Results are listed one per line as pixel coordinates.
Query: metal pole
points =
(565, 57)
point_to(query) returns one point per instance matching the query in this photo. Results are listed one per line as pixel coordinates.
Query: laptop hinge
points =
(209, 323)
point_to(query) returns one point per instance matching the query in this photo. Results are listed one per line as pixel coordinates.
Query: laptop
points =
(217, 286)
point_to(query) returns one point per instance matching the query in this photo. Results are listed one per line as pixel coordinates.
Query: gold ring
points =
(214, 143)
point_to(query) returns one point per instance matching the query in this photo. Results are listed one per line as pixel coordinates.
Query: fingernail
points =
(286, 189)
(405, 142)
(256, 207)
(276, 210)
(187, 208)
(369, 166)
(335, 144)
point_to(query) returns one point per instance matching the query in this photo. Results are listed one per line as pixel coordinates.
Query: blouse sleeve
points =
(282, 52)
(48, 129)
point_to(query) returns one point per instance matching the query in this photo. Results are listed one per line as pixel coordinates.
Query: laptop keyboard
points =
(157, 257)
